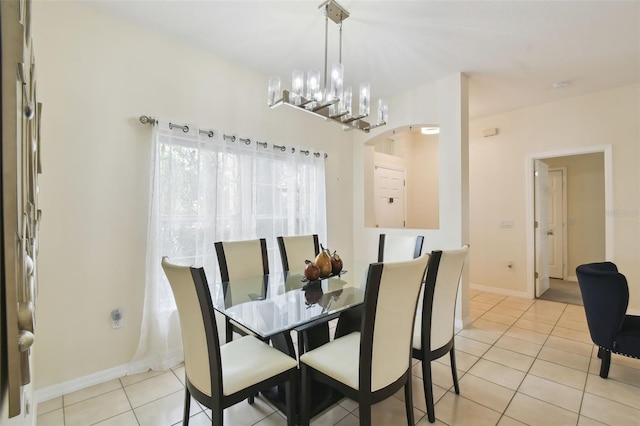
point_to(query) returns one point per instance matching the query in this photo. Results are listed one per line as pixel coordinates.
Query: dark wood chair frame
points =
(217, 402)
(350, 320)
(283, 250)
(428, 354)
(224, 276)
(365, 398)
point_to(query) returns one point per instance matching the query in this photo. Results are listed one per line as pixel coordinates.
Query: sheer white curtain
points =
(211, 186)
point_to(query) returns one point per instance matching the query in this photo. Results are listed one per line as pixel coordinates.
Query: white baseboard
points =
(504, 291)
(60, 389)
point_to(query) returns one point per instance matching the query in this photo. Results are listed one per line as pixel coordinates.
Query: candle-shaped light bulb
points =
(347, 100)
(383, 111)
(365, 99)
(297, 85)
(313, 85)
(273, 90)
(337, 75)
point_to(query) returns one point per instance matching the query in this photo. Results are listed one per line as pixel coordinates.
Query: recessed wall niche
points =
(401, 179)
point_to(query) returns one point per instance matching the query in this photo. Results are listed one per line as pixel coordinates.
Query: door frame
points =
(565, 250)
(607, 150)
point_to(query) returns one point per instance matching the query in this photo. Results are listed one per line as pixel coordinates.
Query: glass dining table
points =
(275, 305)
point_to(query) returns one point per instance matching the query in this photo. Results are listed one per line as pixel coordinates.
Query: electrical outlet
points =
(116, 318)
(117, 323)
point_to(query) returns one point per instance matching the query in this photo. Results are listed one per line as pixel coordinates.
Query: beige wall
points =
(499, 191)
(585, 207)
(96, 76)
(423, 182)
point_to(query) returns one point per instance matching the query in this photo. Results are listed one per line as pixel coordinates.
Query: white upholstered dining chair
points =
(220, 376)
(396, 248)
(294, 250)
(373, 363)
(434, 330)
(238, 260)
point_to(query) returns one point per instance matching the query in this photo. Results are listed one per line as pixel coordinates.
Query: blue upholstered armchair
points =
(606, 295)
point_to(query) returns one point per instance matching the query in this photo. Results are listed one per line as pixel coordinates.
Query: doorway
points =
(586, 230)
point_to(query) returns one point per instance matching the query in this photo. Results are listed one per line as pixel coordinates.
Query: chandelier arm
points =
(326, 43)
(340, 49)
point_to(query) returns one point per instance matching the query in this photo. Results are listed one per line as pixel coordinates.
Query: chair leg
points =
(217, 416)
(291, 392)
(454, 370)
(428, 389)
(305, 415)
(408, 400)
(606, 362)
(365, 413)
(187, 406)
(228, 331)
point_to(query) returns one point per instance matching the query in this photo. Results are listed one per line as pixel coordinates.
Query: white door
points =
(541, 203)
(389, 197)
(556, 223)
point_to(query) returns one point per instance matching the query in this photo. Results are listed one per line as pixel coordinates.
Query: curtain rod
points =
(145, 119)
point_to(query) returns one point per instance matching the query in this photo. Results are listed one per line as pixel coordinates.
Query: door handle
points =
(550, 232)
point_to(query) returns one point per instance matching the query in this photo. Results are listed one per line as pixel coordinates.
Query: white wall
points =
(96, 76)
(498, 180)
(447, 107)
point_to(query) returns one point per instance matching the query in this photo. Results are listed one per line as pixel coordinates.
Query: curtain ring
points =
(246, 141)
(184, 128)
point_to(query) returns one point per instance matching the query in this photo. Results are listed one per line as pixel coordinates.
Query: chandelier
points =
(333, 101)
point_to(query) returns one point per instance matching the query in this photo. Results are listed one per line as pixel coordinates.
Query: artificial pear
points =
(323, 262)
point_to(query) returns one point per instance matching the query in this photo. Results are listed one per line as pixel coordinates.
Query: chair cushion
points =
(247, 361)
(628, 339)
(338, 359)
(244, 329)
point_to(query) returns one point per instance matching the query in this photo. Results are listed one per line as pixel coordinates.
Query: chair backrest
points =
(242, 259)
(397, 248)
(605, 295)
(197, 325)
(294, 250)
(440, 293)
(390, 300)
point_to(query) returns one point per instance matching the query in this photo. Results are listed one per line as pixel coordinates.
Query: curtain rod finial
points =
(147, 120)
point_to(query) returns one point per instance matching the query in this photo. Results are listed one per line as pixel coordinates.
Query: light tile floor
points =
(520, 362)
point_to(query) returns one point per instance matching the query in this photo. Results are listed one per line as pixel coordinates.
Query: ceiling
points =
(512, 51)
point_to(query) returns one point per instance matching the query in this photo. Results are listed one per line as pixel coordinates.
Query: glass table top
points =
(271, 304)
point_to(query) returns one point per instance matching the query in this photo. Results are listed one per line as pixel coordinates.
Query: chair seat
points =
(628, 339)
(247, 361)
(338, 359)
